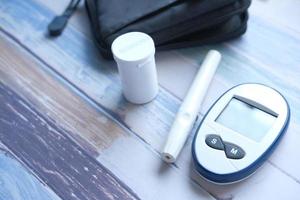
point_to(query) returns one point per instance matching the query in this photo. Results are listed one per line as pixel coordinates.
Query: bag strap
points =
(57, 25)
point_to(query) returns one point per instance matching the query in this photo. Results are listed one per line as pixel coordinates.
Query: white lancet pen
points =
(190, 107)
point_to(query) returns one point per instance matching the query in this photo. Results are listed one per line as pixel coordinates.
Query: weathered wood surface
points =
(282, 14)
(52, 156)
(268, 53)
(58, 104)
(48, 152)
(17, 183)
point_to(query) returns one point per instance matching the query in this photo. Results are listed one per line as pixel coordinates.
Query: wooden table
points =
(66, 131)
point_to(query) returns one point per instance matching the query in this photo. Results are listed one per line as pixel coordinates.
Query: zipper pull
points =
(57, 25)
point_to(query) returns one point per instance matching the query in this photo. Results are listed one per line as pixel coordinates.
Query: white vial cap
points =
(133, 46)
(134, 54)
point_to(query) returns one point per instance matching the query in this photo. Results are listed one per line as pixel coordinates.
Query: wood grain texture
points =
(264, 61)
(256, 57)
(57, 101)
(76, 59)
(49, 153)
(283, 14)
(20, 71)
(17, 183)
(268, 182)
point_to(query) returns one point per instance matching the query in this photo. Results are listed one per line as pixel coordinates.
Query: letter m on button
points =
(234, 151)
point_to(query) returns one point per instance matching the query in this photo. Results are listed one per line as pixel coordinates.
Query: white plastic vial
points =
(134, 54)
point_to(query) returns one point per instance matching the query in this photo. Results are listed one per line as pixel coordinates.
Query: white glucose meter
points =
(239, 132)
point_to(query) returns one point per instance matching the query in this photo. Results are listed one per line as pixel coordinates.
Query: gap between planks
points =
(199, 191)
(48, 151)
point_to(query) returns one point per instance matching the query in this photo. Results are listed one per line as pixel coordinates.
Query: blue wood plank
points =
(75, 58)
(48, 95)
(82, 66)
(46, 149)
(16, 183)
(265, 55)
(77, 47)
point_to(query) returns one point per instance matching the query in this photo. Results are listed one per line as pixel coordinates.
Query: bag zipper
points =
(58, 24)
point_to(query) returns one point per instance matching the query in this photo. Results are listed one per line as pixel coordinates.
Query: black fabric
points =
(171, 23)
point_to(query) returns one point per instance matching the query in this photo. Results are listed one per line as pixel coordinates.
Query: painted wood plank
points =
(256, 64)
(222, 83)
(84, 69)
(267, 183)
(49, 153)
(58, 102)
(245, 69)
(78, 19)
(144, 171)
(25, 74)
(284, 14)
(243, 64)
(17, 183)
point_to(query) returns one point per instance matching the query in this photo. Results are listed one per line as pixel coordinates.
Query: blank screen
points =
(246, 119)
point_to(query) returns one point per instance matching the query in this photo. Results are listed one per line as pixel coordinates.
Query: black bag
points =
(171, 23)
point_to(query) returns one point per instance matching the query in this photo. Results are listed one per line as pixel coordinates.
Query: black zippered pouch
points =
(171, 23)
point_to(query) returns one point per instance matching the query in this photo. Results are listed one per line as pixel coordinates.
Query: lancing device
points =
(190, 107)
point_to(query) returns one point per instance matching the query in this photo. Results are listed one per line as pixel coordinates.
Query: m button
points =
(233, 151)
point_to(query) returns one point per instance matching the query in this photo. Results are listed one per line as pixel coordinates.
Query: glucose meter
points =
(239, 132)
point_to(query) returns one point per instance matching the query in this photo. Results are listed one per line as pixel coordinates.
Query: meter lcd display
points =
(246, 119)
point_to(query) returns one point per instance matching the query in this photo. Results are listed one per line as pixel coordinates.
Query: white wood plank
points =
(235, 71)
(144, 171)
(131, 161)
(152, 121)
(268, 182)
(245, 60)
(56, 102)
(278, 186)
(284, 14)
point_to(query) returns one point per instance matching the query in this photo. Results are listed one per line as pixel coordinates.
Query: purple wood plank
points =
(46, 149)
(18, 183)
